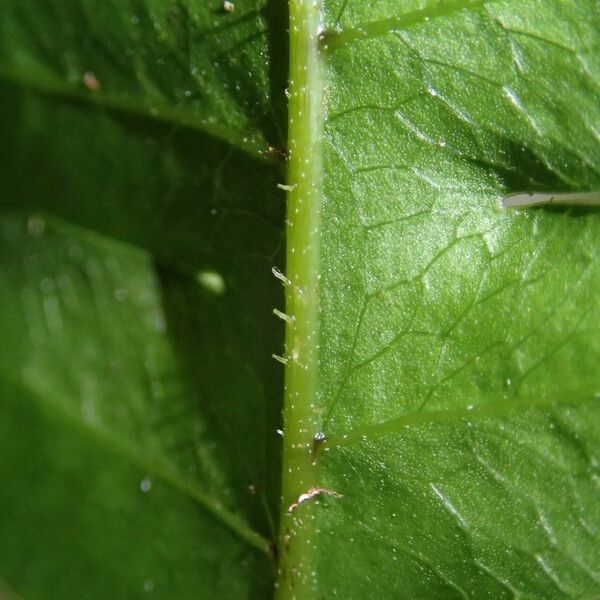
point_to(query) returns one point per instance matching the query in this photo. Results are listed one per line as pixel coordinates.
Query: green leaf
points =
(435, 302)
(126, 354)
(441, 432)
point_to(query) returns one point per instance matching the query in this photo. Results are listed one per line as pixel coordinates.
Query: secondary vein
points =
(56, 87)
(156, 467)
(334, 39)
(458, 415)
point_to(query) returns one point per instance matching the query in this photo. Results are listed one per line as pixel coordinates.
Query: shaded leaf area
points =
(149, 123)
(225, 350)
(181, 61)
(102, 413)
(435, 299)
(196, 204)
(189, 199)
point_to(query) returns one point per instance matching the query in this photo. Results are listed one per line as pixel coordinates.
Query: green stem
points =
(300, 413)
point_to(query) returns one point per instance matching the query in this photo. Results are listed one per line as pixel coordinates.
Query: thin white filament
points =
(529, 199)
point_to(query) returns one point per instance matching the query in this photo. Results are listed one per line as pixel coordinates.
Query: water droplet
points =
(212, 282)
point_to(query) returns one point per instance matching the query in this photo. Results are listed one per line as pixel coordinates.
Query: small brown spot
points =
(277, 153)
(91, 82)
(274, 549)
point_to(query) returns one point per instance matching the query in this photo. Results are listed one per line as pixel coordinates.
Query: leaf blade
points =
(435, 303)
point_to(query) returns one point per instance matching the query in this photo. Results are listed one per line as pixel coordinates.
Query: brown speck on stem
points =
(311, 493)
(277, 153)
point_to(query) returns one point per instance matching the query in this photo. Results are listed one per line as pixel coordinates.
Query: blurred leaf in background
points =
(140, 405)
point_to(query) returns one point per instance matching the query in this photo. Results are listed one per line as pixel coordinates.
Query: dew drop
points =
(212, 282)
